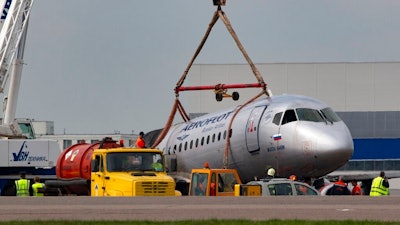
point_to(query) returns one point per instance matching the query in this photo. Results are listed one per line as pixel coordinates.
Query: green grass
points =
(200, 222)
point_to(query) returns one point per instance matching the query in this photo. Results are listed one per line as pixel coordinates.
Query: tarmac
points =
(185, 208)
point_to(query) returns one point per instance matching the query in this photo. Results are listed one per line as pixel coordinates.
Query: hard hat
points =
(293, 177)
(271, 172)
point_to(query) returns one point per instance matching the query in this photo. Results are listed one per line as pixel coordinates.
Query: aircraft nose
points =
(335, 148)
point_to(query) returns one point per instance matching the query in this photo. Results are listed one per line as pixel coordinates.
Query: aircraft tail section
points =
(151, 137)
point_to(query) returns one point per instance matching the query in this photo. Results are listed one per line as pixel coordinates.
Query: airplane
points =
(294, 134)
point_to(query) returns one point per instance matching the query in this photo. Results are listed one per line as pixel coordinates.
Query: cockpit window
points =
(330, 115)
(289, 116)
(277, 118)
(312, 115)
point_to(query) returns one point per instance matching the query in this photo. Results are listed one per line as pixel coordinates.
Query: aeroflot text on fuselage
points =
(205, 122)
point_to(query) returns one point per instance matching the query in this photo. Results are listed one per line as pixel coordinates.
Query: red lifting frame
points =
(219, 87)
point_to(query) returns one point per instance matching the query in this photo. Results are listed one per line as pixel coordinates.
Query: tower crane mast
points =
(13, 24)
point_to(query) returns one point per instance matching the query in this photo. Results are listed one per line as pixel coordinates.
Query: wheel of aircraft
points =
(219, 97)
(235, 96)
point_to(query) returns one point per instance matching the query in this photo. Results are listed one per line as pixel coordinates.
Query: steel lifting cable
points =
(178, 106)
(227, 23)
(220, 14)
(203, 41)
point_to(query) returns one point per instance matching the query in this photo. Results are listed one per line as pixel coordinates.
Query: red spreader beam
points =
(219, 87)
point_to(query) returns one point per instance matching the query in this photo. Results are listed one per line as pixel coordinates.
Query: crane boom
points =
(14, 24)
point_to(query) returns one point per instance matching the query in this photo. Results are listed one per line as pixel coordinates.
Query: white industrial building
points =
(363, 86)
(45, 130)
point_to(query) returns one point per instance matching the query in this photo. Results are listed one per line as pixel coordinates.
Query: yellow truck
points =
(107, 168)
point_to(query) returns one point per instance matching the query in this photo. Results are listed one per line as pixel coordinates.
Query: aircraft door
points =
(252, 129)
(270, 129)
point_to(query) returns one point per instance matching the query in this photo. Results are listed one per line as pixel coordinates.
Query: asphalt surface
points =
(385, 208)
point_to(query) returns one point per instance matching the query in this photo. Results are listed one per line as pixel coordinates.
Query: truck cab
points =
(213, 182)
(130, 172)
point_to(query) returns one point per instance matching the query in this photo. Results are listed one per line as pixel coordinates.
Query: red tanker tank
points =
(75, 161)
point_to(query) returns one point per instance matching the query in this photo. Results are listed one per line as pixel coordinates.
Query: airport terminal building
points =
(364, 94)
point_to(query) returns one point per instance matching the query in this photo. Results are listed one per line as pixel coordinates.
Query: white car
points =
(282, 186)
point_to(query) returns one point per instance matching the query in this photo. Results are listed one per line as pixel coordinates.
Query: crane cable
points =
(178, 106)
(220, 14)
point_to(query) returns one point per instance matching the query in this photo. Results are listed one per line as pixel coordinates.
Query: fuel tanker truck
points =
(107, 168)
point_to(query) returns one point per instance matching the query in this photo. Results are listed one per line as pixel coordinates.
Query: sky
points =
(100, 67)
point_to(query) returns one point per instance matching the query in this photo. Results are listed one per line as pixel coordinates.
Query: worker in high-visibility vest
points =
(380, 185)
(22, 185)
(37, 185)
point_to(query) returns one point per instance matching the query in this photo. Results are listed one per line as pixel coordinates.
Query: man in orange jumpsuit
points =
(140, 142)
(356, 188)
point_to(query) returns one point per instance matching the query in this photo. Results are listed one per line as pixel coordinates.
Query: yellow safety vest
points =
(377, 188)
(35, 187)
(22, 186)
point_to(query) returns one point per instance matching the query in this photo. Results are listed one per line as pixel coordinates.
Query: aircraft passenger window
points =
(174, 148)
(277, 118)
(219, 136)
(169, 150)
(213, 138)
(202, 141)
(330, 115)
(180, 147)
(208, 139)
(197, 142)
(289, 116)
(309, 115)
(224, 135)
(185, 145)
(191, 144)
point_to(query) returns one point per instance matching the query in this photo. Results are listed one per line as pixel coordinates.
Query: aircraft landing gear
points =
(220, 94)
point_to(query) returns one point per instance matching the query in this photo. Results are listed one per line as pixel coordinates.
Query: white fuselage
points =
(284, 132)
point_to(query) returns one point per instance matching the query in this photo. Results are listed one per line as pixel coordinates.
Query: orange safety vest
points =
(140, 143)
(356, 190)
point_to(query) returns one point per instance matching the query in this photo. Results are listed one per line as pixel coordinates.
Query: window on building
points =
(67, 143)
(94, 141)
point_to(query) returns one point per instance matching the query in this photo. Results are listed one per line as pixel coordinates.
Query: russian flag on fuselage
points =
(277, 137)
